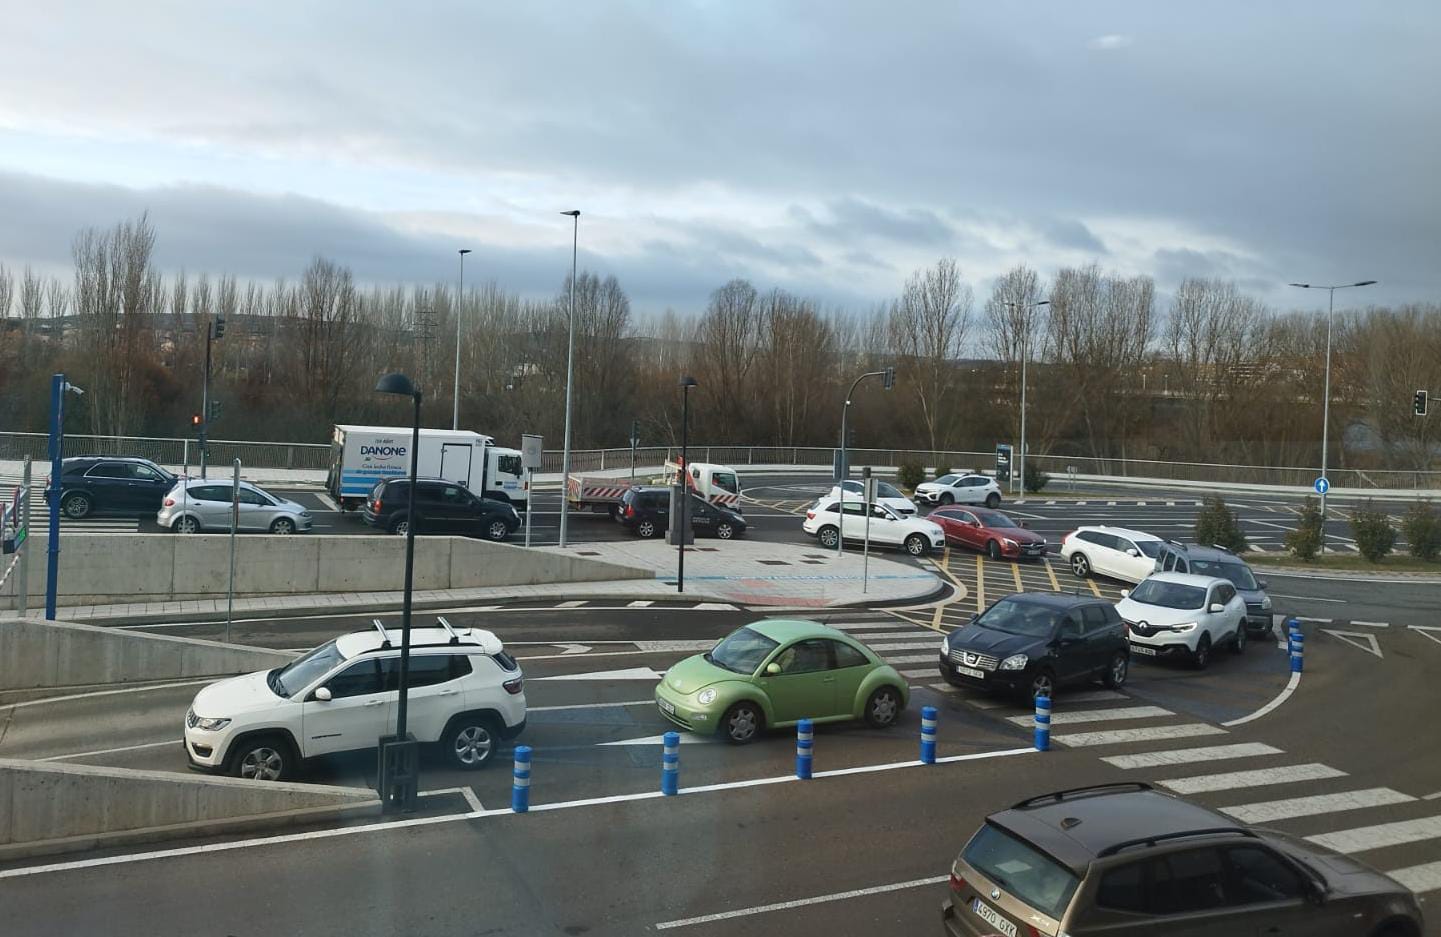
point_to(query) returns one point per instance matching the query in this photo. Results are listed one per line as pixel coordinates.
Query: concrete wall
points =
(45, 801)
(107, 568)
(38, 653)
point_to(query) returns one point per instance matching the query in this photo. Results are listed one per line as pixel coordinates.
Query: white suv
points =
(1128, 555)
(1184, 614)
(464, 692)
(960, 489)
(913, 534)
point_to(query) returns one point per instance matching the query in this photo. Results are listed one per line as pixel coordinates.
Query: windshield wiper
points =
(272, 680)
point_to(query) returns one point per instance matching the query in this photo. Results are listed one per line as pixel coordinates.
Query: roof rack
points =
(1162, 837)
(384, 636)
(454, 635)
(1058, 796)
(1176, 543)
(1217, 546)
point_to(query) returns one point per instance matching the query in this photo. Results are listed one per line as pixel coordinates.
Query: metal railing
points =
(172, 452)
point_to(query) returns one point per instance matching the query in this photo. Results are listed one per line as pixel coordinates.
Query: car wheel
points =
(883, 708)
(742, 723)
(1201, 656)
(993, 500)
(1080, 565)
(1117, 671)
(471, 742)
(948, 498)
(266, 758)
(993, 549)
(646, 529)
(1238, 645)
(725, 531)
(828, 536)
(497, 531)
(916, 545)
(186, 525)
(1043, 684)
(283, 525)
(76, 505)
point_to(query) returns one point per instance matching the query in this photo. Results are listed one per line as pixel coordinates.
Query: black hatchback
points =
(91, 485)
(1032, 642)
(441, 507)
(646, 511)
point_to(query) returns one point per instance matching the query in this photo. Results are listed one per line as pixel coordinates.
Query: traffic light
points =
(195, 420)
(1418, 404)
(219, 327)
(215, 409)
(889, 379)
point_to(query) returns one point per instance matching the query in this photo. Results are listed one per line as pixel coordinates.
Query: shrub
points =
(1423, 531)
(1035, 480)
(1305, 540)
(1216, 525)
(911, 474)
(1375, 534)
(942, 470)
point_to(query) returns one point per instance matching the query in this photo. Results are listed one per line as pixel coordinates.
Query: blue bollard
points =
(1293, 628)
(670, 764)
(1298, 650)
(928, 735)
(520, 780)
(1043, 723)
(805, 742)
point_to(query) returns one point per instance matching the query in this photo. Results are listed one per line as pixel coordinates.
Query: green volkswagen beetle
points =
(776, 672)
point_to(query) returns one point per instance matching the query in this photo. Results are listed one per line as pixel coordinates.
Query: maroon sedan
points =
(991, 531)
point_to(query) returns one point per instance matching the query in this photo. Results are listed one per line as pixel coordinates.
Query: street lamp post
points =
(398, 776)
(1326, 398)
(58, 386)
(1025, 353)
(569, 372)
(459, 308)
(888, 377)
(680, 516)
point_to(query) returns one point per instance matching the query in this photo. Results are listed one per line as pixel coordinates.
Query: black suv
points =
(1126, 859)
(122, 485)
(1031, 642)
(1223, 564)
(443, 507)
(646, 511)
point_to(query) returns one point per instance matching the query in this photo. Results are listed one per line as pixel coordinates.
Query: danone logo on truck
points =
(383, 452)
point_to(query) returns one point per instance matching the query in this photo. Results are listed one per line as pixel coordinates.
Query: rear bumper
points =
(510, 732)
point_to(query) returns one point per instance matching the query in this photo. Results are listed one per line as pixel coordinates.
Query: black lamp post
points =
(682, 518)
(398, 775)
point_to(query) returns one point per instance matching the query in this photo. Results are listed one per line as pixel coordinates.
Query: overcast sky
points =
(830, 147)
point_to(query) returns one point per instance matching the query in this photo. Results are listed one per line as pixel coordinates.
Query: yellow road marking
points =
(1016, 574)
(980, 583)
(1055, 586)
(1095, 588)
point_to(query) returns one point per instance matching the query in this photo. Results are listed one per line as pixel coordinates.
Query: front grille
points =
(1142, 629)
(1034, 548)
(1255, 608)
(972, 659)
(190, 719)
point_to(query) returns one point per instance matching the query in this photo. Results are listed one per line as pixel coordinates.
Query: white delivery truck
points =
(360, 456)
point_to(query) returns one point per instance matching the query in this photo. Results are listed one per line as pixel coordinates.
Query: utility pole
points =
(214, 331)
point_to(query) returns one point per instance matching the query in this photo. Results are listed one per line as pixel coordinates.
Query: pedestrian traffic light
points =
(889, 379)
(219, 327)
(195, 420)
(1418, 405)
(215, 409)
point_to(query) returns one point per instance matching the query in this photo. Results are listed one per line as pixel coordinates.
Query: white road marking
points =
(111, 751)
(1419, 878)
(1061, 717)
(892, 636)
(914, 674)
(1431, 632)
(640, 603)
(1371, 624)
(913, 659)
(1308, 598)
(555, 709)
(1286, 774)
(1185, 756)
(1183, 730)
(130, 689)
(1363, 838)
(326, 500)
(917, 645)
(1268, 811)
(573, 603)
(1314, 621)
(987, 703)
(1090, 696)
(1356, 639)
(686, 738)
(649, 646)
(1281, 697)
(631, 673)
(872, 625)
(801, 902)
(713, 607)
(944, 687)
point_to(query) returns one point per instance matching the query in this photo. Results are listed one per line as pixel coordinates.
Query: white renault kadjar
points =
(913, 534)
(1180, 614)
(465, 693)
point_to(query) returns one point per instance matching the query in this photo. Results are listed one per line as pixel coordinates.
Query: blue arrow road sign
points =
(1322, 485)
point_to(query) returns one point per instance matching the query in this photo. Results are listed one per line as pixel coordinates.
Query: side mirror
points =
(323, 694)
(1217, 608)
(1261, 584)
(773, 668)
(1133, 552)
(1025, 525)
(1125, 593)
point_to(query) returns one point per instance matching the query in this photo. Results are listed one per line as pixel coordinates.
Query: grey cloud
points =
(1073, 234)
(852, 219)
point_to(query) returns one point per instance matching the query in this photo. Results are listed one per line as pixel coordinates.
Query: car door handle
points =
(447, 692)
(375, 702)
(828, 679)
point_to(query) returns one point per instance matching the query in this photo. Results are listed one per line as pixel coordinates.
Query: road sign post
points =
(634, 443)
(1071, 477)
(234, 523)
(1003, 465)
(532, 449)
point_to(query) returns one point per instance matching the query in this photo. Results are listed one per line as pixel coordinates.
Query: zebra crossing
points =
(899, 642)
(40, 515)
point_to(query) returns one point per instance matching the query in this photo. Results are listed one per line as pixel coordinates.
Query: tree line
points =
(1214, 376)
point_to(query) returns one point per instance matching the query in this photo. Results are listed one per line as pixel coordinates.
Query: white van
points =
(718, 484)
(360, 456)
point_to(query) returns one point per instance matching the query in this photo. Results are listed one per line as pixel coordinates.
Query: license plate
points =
(988, 914)
(666, 706)
(972, 672)
(1143, 651)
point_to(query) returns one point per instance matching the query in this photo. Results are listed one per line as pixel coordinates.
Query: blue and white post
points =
(805, 742)
(1298, 649)
(670, 764)
(520, 780)
(1043, 723)
(928, 735)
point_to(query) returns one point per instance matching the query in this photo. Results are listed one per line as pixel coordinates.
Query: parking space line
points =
(1094, 588)
(112, 751)
(980, 584)
(1016, 574)
(801, 902)
(1055, 585)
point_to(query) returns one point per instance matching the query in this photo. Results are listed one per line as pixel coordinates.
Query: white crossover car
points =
(960, 489)
(1184, 615)
(886, 494)
(915, 535)
(1127, 555)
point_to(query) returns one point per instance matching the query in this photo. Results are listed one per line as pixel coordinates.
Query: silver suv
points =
(196, 505)
(1221, 563)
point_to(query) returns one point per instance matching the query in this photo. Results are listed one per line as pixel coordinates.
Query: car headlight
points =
(1184, 626)
(1010, 543)
(706, 697)
(945, 645)
(210, 725)
(1015, 662)
(1266, 601)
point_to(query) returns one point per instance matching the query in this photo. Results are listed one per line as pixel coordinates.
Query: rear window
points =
(1022, 870)
(505, 661)
(1238, 573)
(1151, 548)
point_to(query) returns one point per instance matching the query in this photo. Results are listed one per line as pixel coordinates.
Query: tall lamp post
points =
(399, 765)
(58, 386)
(1326, 398)
(680, 517)
(569, 372)
(459, 308)
(1025, 353)
(888, 380)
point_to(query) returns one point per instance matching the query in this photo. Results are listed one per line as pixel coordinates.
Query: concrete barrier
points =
(38, 653)
(47, 807)
(106, 568)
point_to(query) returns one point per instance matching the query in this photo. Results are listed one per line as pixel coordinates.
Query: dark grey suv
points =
(1124, 859)
(1222, 564)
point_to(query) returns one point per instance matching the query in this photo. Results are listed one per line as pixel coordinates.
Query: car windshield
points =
(947, 480)
(1169, 594)
(995, 519)
(1239, 574)
(743, 651)
(1022, 870)
(1019, 617)
(1151, 548)
(887, 490)
(295, 677)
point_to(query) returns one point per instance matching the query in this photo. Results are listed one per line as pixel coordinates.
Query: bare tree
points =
(928, 326)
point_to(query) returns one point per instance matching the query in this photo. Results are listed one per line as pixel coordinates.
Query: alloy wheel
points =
(473, 746)
(262, 763)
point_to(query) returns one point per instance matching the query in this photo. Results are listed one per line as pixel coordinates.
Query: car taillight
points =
(375, 506)
(629, 511)
(810, 515)
(170, 502)
(958, 884)
(514, 686)
(1065, 537)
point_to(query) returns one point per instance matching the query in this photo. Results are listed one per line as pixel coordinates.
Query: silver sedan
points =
(196, 505)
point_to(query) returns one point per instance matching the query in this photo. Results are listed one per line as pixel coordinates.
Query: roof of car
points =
(1187, 579)
(1197, 551)
(362, 642)
(106, 458)
(1120, 532)
(1055, 599)
(789, 629)
(1076, 827)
